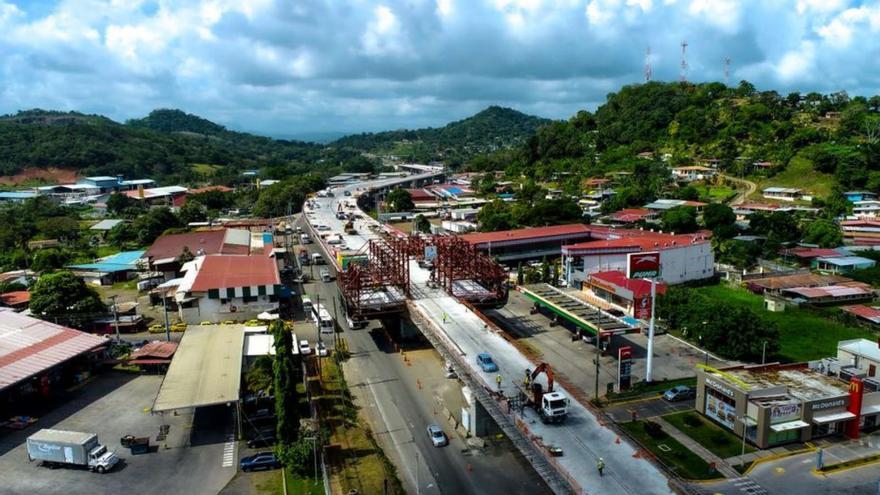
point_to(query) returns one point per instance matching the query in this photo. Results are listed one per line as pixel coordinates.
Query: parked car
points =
(262, 438)
(304, 348)
(680, 392)
(486, 363)
(262, 460)
(438, 438)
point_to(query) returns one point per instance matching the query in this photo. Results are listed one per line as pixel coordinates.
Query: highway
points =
(399, 413)
(583, 438)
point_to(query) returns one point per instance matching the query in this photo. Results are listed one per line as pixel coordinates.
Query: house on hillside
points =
(855, 196)
(107, 271)
(693, 173)
(782, 193)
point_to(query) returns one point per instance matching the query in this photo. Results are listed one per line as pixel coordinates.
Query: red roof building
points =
(155, 352)
(18, 299)
(501, 238)
(204, 242)
(865, 312)
(421, 196)
(30, 347)
(223, 272)
(632, 215)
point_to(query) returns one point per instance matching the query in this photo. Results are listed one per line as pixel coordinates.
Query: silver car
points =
(438, 438)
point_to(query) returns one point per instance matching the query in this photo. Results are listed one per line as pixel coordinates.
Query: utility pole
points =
(115, 318)
(684, 64)
(598, 351)
(165, 309)
(650, 362)
(763, 352)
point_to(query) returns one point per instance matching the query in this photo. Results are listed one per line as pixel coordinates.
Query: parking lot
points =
(190, 460)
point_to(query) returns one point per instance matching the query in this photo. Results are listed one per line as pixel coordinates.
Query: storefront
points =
(779, 404)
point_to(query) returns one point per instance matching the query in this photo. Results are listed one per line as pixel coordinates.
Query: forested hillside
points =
(833, 134)
(167, 145)
(491, 129)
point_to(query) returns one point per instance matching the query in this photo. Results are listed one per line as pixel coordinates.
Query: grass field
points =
(717, 194)
(799, 174)
(205, 169)
(654, 388)
(804, 335)
(717, 440)
(673, 454)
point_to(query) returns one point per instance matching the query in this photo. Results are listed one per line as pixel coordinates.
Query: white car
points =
(304, 348)
(322, 349)
(438, 438)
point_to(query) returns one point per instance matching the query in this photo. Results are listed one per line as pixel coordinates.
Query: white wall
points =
(212, 310)
(680, 264)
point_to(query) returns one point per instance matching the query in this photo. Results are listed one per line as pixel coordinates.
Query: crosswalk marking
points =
(229, 451)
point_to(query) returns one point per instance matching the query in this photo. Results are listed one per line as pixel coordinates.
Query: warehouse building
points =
(533, 243)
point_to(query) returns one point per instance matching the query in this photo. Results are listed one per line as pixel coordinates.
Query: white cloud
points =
(360, 64)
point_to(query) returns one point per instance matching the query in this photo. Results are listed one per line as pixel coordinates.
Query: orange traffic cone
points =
(617, 441)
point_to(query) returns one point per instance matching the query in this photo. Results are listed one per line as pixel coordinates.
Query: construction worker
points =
(498, 381)
(600, 465)
(528, 377)
(444, 317)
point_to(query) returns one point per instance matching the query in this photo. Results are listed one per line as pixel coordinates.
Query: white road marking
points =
(229, 451)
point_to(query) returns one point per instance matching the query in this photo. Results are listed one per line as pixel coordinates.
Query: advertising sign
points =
(785, 412)
(643, 265)
(430, 253)
(624, 367)
(720, 411)
(856, 391)
(642, 308)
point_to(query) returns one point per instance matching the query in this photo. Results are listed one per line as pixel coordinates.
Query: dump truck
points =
(349, 228)
(60, 448)
(550, 405)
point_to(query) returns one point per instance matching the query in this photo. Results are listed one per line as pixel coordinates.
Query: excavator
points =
(552, 406)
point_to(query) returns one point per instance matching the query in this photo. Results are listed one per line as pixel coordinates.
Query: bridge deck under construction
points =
(583, 315)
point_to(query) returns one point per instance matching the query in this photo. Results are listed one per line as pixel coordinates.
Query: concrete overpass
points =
(459, 333)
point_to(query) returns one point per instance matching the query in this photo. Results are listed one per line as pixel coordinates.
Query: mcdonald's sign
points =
(856, 391)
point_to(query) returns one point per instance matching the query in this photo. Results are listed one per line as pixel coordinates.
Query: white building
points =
(862, 354)
(782, 193)
(227, 287)
(692, 173)
(682, 257)
(866, 209)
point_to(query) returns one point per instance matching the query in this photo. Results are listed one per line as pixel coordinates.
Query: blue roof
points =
(126, 260)
(848, 261)
(17, 195)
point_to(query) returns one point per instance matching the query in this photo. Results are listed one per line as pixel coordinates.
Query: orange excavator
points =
(551, 406)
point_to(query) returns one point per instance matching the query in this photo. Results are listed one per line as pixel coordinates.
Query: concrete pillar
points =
(408, 330)
(474, 417)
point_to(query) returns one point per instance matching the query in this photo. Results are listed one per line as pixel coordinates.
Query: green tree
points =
(152, 224)
(287, 422)
(545, 271)
(47, 260)
(823, 232)
(496, 216)
(421, 224)
(118, 204)
(65, 297)
(399, 200)
(720, 219)
(261, 376)
(64, 229)
(192, 211)
(681, 220)
(519, 273)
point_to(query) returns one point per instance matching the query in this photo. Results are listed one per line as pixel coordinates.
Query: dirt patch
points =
(51, 175)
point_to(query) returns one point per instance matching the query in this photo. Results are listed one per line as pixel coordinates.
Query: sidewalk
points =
(720, 465)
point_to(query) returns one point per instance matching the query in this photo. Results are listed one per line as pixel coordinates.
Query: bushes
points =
(654, 430)
(693, 421)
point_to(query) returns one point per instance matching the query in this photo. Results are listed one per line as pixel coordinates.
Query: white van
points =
(307, 304)
(325, 275)
(317, 259)
(305, 239)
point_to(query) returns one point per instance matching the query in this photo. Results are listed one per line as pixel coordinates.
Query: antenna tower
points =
(648, 70)
(727, 71)
(684, 64)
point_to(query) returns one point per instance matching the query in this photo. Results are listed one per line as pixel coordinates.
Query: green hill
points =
(832, 141)
(491, 129)
(172, 120)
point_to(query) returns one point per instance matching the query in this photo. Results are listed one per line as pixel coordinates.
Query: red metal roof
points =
(29, 346)
(639, 287)
(636, 241)
(225, 272)
(170, 246)
(865, 312)
(205, 189)
(810, 253)
(15, 298)
(155, 349)
(531, 234)
(421, 195)
(630, 215)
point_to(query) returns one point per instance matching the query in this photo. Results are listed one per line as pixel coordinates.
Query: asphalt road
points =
(399, 413)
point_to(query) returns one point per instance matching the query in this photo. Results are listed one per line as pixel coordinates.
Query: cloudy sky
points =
(299, 66)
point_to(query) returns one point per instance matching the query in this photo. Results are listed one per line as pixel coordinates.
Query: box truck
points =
(60, 447)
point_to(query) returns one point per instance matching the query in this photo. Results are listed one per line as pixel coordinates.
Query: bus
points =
(322, 319)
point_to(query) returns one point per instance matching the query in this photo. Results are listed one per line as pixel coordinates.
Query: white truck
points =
(60, 447)
(550, 405)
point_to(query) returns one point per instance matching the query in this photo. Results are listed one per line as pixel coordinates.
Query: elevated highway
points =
(459, 333)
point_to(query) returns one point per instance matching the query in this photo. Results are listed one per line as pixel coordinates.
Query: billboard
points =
(624, 367)
(643, 265)
(642, 308)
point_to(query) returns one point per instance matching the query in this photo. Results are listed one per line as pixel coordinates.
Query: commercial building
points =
(171, 196)
(16, 196)
(779, 404)
(532, 243)
(682, 257)
(220, 287)
(38, 359)
(164, 255)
